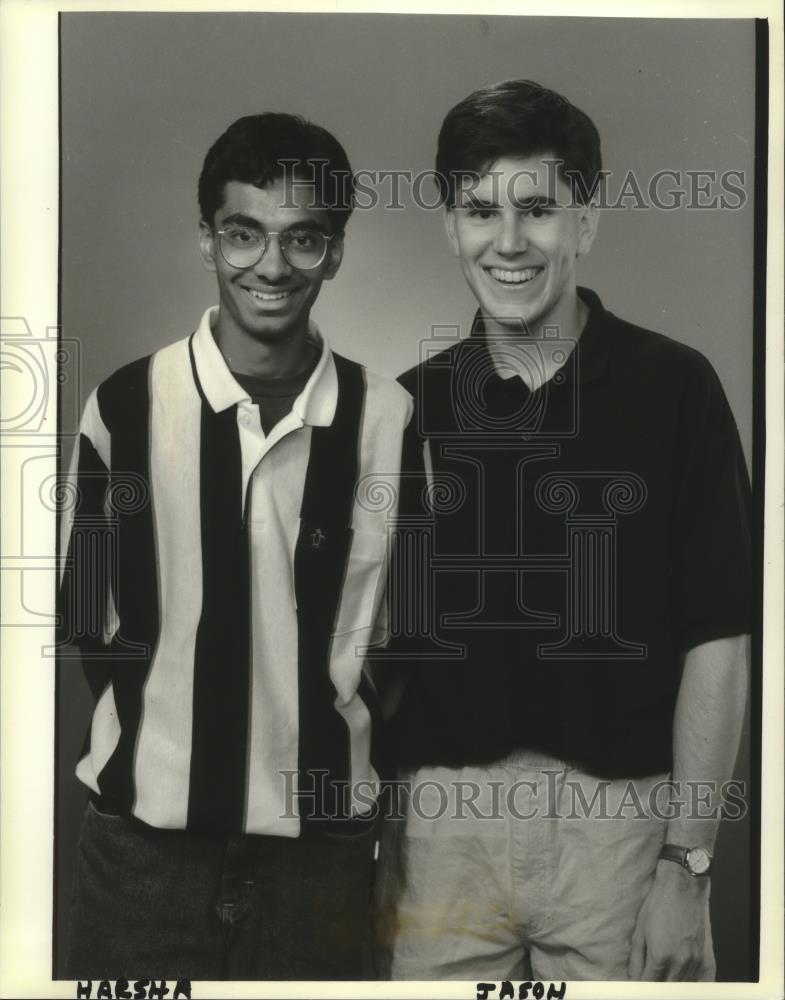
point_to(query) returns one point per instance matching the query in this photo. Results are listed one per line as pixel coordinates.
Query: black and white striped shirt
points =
(222, 585)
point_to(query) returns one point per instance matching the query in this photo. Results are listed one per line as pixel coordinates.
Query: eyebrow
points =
(536, 201)
(522, 204)
(238, 219)
(472, 201)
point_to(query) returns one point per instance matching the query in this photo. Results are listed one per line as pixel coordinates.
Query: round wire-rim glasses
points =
(243, 247)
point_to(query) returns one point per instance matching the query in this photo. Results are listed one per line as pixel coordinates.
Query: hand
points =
(670, 933)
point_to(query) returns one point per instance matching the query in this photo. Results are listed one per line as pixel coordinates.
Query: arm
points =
(85, 606)
(668, 940)
(390, 674)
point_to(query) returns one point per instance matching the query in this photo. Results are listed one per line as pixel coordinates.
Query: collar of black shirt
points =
(590, 358)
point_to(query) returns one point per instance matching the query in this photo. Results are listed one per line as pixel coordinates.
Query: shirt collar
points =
(594, 343)
(315, 405)
(590, 358)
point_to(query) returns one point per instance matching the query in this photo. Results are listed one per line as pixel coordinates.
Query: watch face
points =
(698, 861)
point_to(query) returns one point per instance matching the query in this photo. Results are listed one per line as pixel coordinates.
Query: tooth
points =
(268, 297)
(513, 277)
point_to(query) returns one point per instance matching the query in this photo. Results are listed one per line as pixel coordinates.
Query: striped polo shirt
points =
(223, 586)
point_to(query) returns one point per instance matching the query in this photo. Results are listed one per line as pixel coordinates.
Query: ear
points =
(449, 225)
(589, 220)
(207, 245)
(334, 256)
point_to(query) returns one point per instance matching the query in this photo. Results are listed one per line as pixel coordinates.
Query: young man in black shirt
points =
(575, 701)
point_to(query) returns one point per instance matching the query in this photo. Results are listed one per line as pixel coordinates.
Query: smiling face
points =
(266, 306)
(517, 236)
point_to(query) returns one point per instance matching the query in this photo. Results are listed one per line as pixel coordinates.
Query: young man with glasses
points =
(589, 591)
(222, 577)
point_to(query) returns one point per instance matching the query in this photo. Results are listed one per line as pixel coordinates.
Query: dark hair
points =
(517, 118)
(260, 149)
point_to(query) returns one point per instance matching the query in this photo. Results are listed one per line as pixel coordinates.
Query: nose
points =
(511, 237)
(272, 266)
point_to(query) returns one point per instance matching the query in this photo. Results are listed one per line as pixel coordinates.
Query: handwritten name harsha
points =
(140, 989)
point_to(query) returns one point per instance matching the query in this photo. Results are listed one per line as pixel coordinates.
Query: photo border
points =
(30, 196)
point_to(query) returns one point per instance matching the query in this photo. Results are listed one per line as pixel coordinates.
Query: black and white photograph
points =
(392, 492)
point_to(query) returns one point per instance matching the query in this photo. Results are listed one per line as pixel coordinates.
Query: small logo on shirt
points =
(317, 537)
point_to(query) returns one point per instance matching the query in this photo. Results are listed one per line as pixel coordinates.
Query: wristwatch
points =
(696, 860)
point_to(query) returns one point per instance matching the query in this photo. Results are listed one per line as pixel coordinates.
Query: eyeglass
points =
(243, 247)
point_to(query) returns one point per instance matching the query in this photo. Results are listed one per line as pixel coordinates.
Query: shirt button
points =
(245, 419)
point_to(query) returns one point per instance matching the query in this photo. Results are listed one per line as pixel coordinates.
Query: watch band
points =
(671, 852)
(680, 855)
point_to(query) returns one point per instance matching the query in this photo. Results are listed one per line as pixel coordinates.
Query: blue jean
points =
(166, 904)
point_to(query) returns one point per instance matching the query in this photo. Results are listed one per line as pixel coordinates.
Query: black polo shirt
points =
(584, 537)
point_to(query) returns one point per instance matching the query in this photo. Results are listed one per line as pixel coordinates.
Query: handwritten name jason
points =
(536, 990)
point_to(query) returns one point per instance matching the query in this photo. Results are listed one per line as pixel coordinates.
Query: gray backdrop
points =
(144, 95)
